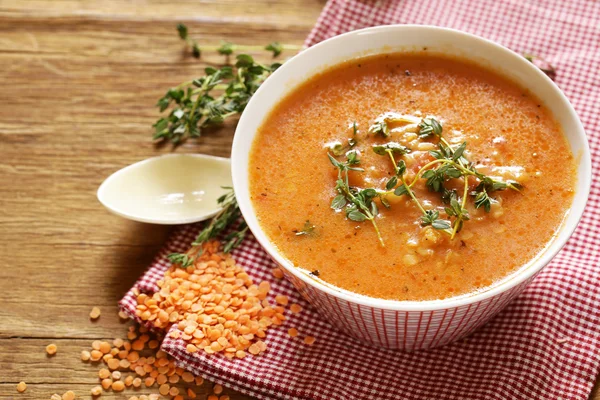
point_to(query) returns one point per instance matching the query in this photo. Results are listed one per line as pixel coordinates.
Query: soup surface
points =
(509, 136)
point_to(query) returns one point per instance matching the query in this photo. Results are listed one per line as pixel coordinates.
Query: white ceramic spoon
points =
(169, 190)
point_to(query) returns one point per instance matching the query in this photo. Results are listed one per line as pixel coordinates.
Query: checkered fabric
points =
(544, 345)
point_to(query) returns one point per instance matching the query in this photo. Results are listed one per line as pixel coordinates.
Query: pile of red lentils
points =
(215, 304)
(138, 361)
(217, 309)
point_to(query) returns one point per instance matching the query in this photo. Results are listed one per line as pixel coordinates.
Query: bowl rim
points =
(526, 271)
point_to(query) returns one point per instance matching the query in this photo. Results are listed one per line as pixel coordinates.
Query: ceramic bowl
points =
(408, 325)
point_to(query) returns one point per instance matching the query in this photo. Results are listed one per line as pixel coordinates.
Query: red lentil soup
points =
(510, 136)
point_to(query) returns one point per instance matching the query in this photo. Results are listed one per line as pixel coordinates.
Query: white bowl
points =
(408, 324)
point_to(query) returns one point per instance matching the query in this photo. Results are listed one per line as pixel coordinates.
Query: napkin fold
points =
(544, 345)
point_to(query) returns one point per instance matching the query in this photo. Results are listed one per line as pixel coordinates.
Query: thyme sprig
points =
(219, 94)
(357, 203)
(228, 215)
(450, 162)
(228, 48)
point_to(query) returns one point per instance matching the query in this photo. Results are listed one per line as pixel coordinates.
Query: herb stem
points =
(464, 204)
(192, 112)
(184, 84)
(360, 205)
(367, 212)
(442, 161)
(412, 195)
(410, 192)
(216, 87)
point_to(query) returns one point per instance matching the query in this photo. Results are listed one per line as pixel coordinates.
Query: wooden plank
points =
(80, 80)
(268, 11)
(26, 360)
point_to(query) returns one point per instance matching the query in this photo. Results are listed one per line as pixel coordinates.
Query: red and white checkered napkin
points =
(544, 345)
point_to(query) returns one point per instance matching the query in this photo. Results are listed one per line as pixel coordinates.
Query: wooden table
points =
(79, 81)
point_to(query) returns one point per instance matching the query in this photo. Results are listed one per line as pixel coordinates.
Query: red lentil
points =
(51, 349)
(95, 313)
(21, 387)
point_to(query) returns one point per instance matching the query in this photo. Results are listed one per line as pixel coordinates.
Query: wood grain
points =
(79, 83)
(79, 80)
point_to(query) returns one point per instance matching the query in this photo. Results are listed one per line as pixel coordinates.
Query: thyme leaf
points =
(307, 229)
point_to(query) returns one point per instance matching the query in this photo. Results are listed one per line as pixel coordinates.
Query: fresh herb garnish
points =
(307, 230)
(195, 107)
(542, 64)
(482, 199)
(449, 163)
(381, 125)
(183, 34)
(229, 214)
(432, 217)
(430, 127)
(358, 203)
(393, 147)
(338, 148)
(210, 99)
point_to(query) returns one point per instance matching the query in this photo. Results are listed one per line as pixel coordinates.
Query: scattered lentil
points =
(281, 299)
(164, 389)
(295, 308)
(96, 391)
(118, 386)
(309, 340)
(113, 363)
(70, 395)
(187, 377)
(217, 389)
(293, 332)
(103, 373)
(277, 273)
(105, 347)
(106, 383)
(85, 355)
(21, 387)
(95, 355)
(51, 349)
(94, 314)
